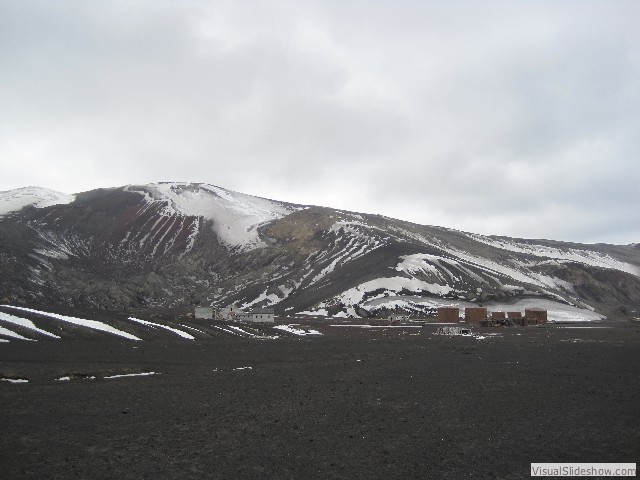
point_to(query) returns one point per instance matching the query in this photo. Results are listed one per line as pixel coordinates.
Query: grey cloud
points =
(499, 117)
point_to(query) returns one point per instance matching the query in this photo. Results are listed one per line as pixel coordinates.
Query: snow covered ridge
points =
(17, 199)
(236, 217)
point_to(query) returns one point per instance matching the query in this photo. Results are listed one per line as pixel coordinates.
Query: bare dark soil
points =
(377, 403)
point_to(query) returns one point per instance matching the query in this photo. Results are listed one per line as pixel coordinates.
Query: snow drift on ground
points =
(23, 322)
(296, 331)
(93, 324)
(158, 325)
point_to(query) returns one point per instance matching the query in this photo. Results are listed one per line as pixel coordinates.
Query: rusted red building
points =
(475, 314)
(536, 315)
(448, 314)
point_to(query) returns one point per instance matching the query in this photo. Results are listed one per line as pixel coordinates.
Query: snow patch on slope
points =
(418, 263)
(593, 259)
(15, 200)
(389, 285)
(236, 217)
(498, 272)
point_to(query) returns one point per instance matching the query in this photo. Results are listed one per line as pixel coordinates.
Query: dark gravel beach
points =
(353, 403)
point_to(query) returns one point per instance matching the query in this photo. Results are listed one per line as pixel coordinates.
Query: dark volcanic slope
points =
(368, 404)
(168, 245)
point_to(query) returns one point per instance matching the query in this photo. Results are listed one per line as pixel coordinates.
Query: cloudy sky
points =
(497, 117)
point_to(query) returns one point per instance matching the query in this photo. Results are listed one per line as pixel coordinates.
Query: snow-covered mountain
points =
(178, 244)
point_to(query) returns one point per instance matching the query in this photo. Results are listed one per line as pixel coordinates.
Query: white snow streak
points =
(576, 255)
(141, 374)
(158, 325)
(24, 323)
(296, 331)
(14, 380)
(93, 324)
(10, 333)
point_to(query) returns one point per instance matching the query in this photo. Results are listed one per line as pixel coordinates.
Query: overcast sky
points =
(496, 117)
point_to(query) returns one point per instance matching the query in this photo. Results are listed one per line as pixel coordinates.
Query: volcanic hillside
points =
(180, 244)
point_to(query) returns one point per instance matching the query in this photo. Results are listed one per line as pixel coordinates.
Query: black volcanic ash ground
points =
(378, 403)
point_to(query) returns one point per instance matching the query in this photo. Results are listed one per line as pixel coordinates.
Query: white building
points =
(263, 315)
(258, 315)
(230, 313)
(203, 312)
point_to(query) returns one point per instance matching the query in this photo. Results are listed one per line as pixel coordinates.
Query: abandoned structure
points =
(234, 313)
(480, 315)
(448, 314)
(203, 312)
(396, 318)
(537, 316)
(229, 313)
(258, 315)
(475, 314)
(453, 331)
